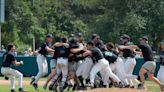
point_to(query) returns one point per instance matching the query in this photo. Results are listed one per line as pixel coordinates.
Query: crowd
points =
(76, 64)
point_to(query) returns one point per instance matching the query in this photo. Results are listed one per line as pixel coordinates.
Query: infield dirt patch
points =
(115, 90)
(26, 82)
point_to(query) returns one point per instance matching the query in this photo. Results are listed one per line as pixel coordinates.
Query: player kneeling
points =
(8, 72)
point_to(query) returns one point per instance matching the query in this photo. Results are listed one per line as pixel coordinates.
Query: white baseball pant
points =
(102, 66)
(12, 74)
(42, 67)
(160, 75)
(118, 69)
(85, 68)
(129, 67)
(62, 67)
(53, 63)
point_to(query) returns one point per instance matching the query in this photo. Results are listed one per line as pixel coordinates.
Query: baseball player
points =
(62, 64)
(128, 58)
(6, 70)
(161, 70)
(53, 64)
(84, 66)
(42, 61)
(102, 64)
(149, 66)
(116, 63)
(97, 42)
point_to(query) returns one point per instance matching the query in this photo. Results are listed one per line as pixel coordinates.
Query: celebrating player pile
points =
(79, 65)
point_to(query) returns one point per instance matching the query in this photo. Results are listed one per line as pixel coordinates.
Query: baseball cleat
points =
(132, 87)
(120, 85)
(140, 86)
(32, 80)
(90, 85)
(6, 78)
(162, 87)
(127, 86)
(21, 90)
(51, 87)
(12, 90)
(35, 86)
(45, 87)
(61, 89)
(110, 85)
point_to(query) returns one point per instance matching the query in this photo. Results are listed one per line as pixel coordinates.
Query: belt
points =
(63, 57)
(5, 67)
(42, 55)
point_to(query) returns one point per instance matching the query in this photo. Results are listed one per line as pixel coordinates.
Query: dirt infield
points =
(26, 82)
(115, 90)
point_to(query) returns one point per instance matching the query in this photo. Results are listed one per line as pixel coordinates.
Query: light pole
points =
(2, 17)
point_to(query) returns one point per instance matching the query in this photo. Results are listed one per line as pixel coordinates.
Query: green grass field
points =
(6, 88)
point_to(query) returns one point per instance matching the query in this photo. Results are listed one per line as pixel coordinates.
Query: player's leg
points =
(79, 70)
(104, 79)
(88, 64)
(45, 68)
(151, 77)
(59, 71)
(64, 73)
(79, 73)
(52, 74)
(96, 68)
(7, 72)
(149, 68)
(129, 67)
(110, 74)
(40, 60)
(160, 75)
(142, 78)
(12, 83)
(19, 75)
(120, 69)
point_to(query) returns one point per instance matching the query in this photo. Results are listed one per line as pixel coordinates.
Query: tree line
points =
(26, 19)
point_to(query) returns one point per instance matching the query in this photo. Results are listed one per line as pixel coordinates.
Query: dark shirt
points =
(114, 52)
(55, 54)
(146, 52)
(43, 50)
(97, 54)
(100, 45)
(162, 58)
(62, 51)
(128, 53)
(111, 57)
(7, 59)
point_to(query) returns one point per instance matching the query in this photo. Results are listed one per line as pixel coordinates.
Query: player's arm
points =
(128, 47)
(76, 50)
(49, 49)
(87, 53)
(58, 44)
(17, 63)
(138, 52)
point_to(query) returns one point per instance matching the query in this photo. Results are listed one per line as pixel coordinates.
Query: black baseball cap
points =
(144, 37)
(125, 36)
(94, 35)
(79, 34)
(49, 36)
